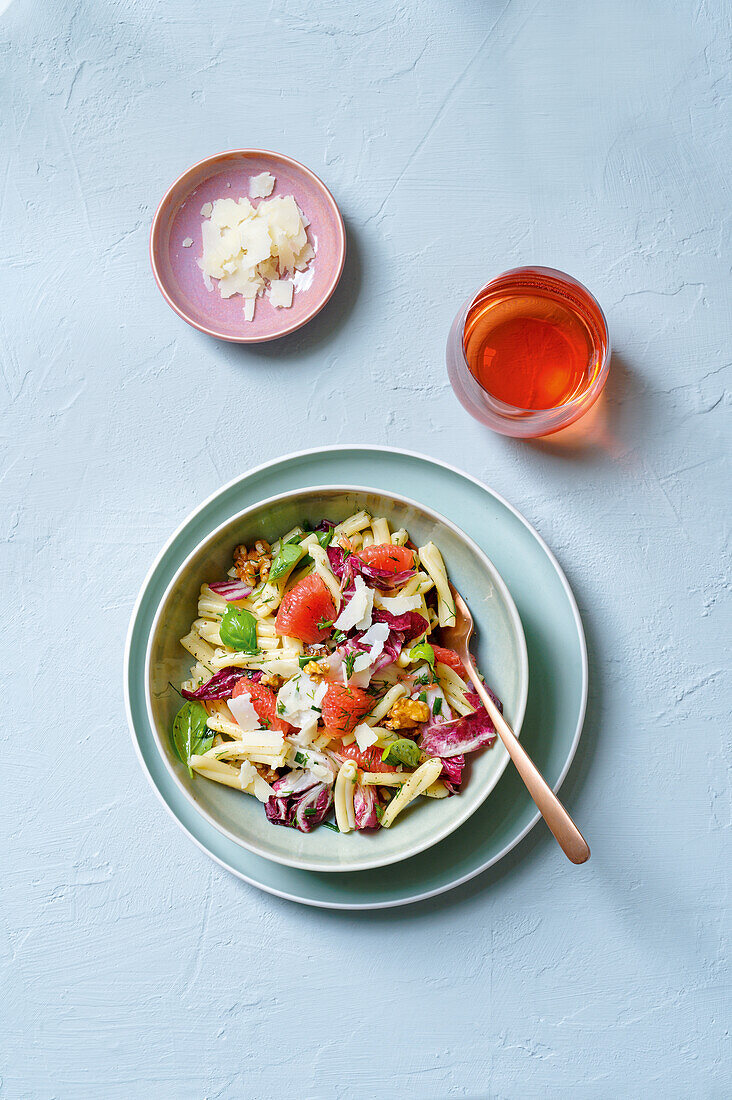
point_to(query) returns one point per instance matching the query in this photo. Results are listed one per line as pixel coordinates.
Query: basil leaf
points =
(239, 629)
(402, 751)
(191, 735)
(425, 652)
(325, 538)
(287, 558)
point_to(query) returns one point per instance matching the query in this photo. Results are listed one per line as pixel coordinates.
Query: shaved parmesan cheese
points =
(251, 250)
(397, 605)
(261, 186)
(251, 781)
(249, 304)
(280, 293)
(357, 612)
(298, 702)
(365, 736)
(188, 242)
(375, 637)
(243, 710)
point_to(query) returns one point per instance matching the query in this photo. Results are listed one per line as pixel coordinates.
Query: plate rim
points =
(408, 453)
(495, 578)
(294, 326)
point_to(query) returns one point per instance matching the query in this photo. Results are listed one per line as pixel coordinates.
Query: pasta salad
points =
(319, 683)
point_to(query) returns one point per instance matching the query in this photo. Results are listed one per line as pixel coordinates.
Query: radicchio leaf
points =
(410, 625)
(346, 566)
(452, 772)
(467, 734)
(365, 801)
(232, 589)
(221, 685)
(299, 802)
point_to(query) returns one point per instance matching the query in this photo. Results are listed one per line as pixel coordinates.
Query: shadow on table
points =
(615, 424)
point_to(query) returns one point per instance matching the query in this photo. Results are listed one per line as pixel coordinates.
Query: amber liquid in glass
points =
(533, 343)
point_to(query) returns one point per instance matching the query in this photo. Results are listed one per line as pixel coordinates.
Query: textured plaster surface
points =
(459, 139)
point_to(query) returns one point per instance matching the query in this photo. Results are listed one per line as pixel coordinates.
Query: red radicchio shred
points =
(231, 590)
(300, 801)
(365, 801)
(410, 625)
(452, 772)
(466, 734)
(221, 685)
(346, 566)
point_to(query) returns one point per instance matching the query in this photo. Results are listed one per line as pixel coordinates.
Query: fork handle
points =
(567, 835)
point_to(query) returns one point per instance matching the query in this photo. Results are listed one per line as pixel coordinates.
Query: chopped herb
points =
(293, 539)
(280, 708)
(338, 636)
(318, 710)
(324, 624)
(325, 538)
(437, 706)
(422, 696)
(330, 825)
(265, 723)
(300, 758)
(310, 811)
(379, 811)
(424, 679)
(349, 663)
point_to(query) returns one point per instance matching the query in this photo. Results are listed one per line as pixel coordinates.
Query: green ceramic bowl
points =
(500, 649)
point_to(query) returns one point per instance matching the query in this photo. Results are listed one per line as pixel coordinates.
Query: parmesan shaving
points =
(261, 186)
(255, 251)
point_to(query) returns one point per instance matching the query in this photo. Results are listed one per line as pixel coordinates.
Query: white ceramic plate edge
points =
(424, 895)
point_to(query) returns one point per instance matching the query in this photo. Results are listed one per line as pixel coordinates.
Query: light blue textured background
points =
(460, 139)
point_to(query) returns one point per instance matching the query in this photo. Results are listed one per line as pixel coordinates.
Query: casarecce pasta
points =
(318, 682)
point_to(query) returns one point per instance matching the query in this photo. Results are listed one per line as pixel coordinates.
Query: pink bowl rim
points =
(341, 242)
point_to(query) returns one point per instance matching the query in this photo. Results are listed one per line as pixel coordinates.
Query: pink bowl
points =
(179, 277)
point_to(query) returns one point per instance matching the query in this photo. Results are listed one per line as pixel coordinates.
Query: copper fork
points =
(568, 836)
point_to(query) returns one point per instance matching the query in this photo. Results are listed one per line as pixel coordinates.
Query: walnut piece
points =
(406, 713)
(314, 671)
(249, 563)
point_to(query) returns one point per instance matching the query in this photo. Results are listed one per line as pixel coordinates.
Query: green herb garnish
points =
(402, 751)
(437, 706)
(330, 825)
(422, 696)
(324, 624)
(338, 636)
(191, 735)
(325, 538)
(300, 758)
(287, 558)
(239, 629)
(281, 708)
(310, 811)
(424, 652)
(349, 662)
